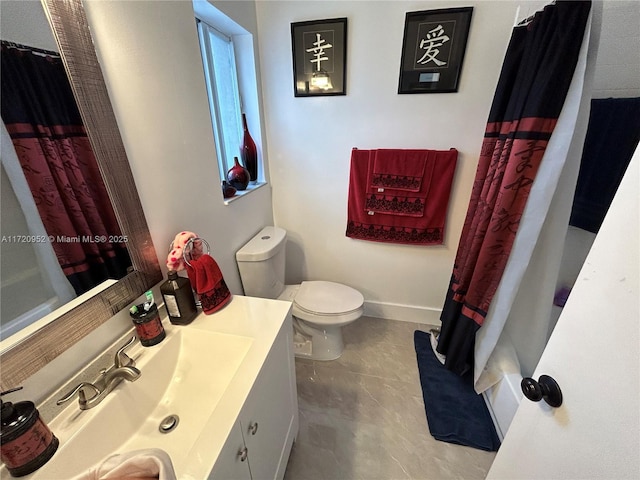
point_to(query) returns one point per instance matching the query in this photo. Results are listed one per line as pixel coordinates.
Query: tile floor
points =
(362, 416)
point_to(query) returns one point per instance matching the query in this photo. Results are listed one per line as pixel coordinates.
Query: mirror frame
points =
(21, 360)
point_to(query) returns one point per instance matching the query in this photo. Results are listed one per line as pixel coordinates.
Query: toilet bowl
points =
(320, 308)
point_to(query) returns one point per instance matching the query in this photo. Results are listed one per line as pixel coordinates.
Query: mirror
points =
(54, 203)
(24, 358)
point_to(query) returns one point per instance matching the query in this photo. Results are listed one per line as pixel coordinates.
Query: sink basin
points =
(185, 375)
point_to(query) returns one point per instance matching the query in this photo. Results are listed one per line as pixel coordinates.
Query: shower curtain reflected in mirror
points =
(41, 116)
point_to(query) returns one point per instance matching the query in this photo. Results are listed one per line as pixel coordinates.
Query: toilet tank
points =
(261, 263)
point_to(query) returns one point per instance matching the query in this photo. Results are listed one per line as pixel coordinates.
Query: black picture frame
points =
(319, 70)
(433, 50)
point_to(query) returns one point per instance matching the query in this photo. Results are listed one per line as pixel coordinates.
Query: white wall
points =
(310, 170)
(310, 140)
(618, 67)
(25, 23)
(151, 61)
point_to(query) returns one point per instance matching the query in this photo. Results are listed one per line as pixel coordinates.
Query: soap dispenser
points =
(26, 443)
(178, 299)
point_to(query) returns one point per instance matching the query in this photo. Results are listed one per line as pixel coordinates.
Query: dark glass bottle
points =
(249, 152)
(178, 299)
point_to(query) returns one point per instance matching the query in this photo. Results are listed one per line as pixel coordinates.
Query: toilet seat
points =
(327, 303)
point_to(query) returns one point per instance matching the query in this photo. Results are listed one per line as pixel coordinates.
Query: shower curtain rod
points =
(34, 50)
(528, 19)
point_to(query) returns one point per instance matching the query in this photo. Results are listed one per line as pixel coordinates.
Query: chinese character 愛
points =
(435, 38)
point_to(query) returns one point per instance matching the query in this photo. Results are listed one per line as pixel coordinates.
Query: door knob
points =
(546, 388)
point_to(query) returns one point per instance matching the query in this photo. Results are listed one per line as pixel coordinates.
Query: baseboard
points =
(404, 313)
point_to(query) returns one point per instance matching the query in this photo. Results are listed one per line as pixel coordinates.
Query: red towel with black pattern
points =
(396, 216)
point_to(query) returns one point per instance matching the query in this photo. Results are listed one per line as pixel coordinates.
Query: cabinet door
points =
(232, 463)
(270, 416)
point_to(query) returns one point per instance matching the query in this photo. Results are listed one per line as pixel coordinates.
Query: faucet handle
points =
(121, 359)
(79, 389)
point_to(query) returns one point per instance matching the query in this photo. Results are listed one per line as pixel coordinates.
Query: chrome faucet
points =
(123, 368)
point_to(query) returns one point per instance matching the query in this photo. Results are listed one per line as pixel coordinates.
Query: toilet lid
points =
(328, 298)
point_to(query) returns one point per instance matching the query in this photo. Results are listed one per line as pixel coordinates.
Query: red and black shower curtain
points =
(42, 118)
(534, 81)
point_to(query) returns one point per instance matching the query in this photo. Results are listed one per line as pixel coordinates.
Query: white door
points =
(594, 355)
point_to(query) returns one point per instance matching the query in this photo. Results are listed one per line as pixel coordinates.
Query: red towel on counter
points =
(428, 229)
(398, 201)
(206, 278)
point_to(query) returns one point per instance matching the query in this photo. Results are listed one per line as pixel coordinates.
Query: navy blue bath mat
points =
(455, 412)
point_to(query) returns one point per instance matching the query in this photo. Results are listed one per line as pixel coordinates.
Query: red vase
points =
(249, 152)
(238, 176)
(227, 190)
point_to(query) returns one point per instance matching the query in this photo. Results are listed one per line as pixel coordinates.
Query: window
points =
(219, 61)
(229, 68)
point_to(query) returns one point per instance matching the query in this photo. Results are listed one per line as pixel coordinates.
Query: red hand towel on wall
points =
(206, 277)
(428, 229)
(398, 169)
(398, 201)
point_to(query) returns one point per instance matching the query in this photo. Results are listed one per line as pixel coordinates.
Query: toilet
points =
(320, 308)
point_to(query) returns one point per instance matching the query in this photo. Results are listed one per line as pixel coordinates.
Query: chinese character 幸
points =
(318, 51)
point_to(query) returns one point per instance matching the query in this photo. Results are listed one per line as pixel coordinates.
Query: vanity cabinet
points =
(232, 463)
(258, 447)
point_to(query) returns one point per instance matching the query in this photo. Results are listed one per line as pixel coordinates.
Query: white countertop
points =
(256, 318)
(260, 319)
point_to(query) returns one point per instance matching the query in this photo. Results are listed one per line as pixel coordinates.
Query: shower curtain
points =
(537, 73)
(43, 121)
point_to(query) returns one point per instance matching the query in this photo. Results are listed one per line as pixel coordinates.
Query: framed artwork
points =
(433, 50)
(319, 57)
